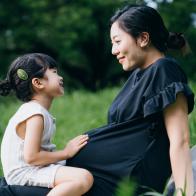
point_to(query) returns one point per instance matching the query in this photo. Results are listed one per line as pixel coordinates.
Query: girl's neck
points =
(42, 100)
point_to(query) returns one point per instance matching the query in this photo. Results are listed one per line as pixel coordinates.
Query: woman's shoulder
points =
(166, 63)
(168, 68)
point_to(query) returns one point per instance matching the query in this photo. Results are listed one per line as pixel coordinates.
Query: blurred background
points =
(76, 34)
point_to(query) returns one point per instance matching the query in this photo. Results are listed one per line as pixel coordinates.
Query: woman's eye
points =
(117, 41)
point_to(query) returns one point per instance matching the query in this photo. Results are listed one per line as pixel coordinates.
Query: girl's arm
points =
(32, 144)
(176, 122)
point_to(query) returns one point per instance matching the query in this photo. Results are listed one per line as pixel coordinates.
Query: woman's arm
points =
(32, 144)
(176, 122)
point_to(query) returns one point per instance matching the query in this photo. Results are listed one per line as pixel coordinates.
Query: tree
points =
(76, 34)
(178, 16)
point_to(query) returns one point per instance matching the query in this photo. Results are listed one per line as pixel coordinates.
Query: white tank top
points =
(12, 146)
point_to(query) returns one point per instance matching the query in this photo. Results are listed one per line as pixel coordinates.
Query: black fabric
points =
(4, 188)
(127, 149)
(171, 190)
(13, 190)
(134, 143)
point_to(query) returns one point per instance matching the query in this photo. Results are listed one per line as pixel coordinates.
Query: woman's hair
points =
(21, 72)
(135, 19)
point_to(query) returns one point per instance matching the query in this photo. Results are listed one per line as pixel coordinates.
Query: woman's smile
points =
(121, 59)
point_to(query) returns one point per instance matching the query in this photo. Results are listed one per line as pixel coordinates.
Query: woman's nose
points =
(115, 50)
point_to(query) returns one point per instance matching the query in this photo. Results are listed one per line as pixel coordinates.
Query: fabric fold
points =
(167, 96)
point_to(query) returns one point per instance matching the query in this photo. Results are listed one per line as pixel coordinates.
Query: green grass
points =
(75, 113)
(192, 118)
(78, 112)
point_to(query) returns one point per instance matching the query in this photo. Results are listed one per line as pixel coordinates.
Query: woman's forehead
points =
(115, 30)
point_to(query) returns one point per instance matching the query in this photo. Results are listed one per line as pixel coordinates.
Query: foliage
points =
(125, 188)
(192, 119)
(76, 33)
(178, 17)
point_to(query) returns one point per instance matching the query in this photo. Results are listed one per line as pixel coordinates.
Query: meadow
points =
(77, 112)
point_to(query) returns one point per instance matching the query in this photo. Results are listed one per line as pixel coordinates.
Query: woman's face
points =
(126, 48)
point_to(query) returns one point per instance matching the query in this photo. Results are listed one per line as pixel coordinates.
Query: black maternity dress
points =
(134, 143)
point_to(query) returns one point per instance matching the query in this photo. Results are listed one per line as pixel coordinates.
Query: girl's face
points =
(126, 48)
(53, 83)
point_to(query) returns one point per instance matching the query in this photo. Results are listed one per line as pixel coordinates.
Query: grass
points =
(78, 112)
(75, 113)
(192, 118)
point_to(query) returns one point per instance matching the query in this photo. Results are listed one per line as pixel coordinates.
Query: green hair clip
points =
(22, 74)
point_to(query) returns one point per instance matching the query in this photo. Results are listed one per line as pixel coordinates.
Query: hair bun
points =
(5, 87)
(176, 41)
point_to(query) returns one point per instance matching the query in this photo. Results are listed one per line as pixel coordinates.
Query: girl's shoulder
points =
(30, 108)
(25, 111)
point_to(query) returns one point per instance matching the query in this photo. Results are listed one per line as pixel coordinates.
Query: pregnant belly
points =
(113, 151)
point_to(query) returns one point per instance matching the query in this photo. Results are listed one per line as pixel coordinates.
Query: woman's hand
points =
(74, 145)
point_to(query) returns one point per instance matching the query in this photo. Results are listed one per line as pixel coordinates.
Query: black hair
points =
(135, 19)
(35, 65)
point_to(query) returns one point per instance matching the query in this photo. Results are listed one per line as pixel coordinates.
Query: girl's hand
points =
(74, 145)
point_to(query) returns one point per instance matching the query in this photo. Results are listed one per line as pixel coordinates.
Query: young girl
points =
(27, 154)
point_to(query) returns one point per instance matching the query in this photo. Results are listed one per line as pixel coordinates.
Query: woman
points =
(147, 135)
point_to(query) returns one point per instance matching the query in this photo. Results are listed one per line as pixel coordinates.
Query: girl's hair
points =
(21, 72)
(135, 19)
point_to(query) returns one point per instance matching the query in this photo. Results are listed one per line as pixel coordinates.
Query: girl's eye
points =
(117, 41)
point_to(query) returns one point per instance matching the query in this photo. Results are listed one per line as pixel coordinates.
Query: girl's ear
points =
(37, 83)
(144, 39)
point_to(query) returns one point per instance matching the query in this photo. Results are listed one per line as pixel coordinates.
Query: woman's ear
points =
(37, 83)
(144, 39)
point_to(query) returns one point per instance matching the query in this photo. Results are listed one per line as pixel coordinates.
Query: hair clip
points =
(22, 74)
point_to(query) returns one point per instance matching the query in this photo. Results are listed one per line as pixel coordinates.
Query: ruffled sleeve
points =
(168, 96)
(168, 80)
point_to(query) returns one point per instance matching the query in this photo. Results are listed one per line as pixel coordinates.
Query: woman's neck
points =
(152, 55)
(42, 100)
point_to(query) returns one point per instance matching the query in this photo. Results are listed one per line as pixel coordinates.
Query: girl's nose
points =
(61, 78)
